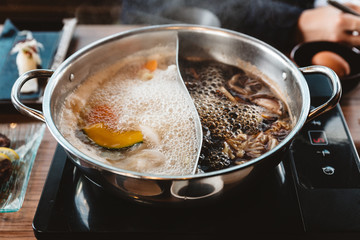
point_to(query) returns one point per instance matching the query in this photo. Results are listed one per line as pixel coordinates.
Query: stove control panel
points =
(323, 153)
(325, 167)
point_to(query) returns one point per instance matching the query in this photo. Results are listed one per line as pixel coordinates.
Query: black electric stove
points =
(313, 192)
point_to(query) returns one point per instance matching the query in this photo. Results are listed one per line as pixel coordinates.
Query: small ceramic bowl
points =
(303, 53)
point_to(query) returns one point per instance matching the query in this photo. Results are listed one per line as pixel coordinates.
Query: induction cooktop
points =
(313, 192)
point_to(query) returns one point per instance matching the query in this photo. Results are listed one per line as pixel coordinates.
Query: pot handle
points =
(336, 90)
(15, 92)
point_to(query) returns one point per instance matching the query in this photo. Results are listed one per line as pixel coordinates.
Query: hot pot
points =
(198, 41)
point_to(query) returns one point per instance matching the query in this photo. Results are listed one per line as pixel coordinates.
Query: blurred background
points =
(45, 14)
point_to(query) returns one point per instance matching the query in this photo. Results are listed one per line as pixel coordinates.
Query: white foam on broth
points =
(160, 108)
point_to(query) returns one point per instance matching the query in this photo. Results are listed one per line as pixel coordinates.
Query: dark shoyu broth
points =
(241, 116)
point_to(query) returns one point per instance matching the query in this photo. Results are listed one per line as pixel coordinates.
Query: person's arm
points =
(329, 24)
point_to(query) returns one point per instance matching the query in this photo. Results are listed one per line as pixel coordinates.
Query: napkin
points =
(8, 68)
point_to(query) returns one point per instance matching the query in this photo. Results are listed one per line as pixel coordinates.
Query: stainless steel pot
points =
(219, 44)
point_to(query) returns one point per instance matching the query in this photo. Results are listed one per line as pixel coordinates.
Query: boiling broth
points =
(241, 116)
(129, 97)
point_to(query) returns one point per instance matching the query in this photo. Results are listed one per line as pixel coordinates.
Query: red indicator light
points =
(318, 140)
(318, 137)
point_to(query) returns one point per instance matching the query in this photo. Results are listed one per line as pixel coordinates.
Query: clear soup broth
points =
(135, 115)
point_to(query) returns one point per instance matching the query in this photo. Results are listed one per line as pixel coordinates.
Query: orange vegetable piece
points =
(151, 65)
(111, 139)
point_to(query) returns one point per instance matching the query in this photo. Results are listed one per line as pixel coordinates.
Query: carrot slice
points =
(151, 65)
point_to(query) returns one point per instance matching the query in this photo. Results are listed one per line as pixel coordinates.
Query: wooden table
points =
(18, 225)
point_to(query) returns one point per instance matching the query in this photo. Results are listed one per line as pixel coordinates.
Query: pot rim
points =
(174, 27)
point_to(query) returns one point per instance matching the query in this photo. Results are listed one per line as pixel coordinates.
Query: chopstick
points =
(342, 7)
